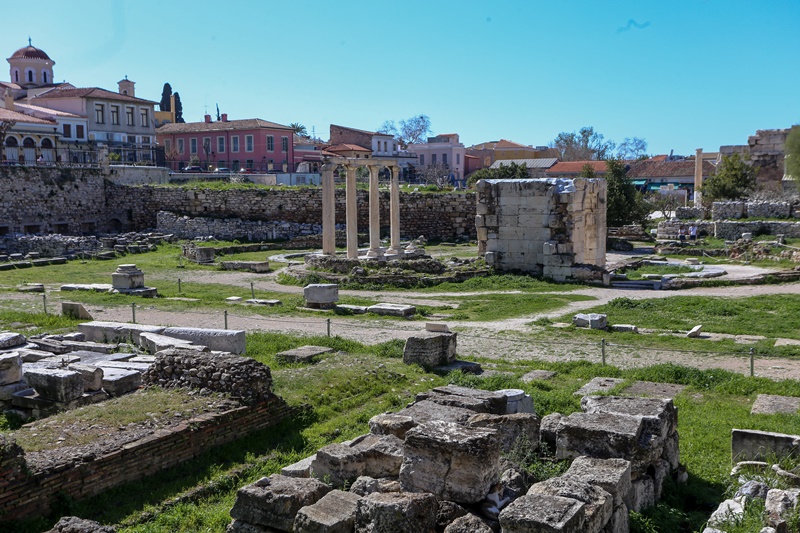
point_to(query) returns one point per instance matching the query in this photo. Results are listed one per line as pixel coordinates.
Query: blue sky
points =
(680, 74)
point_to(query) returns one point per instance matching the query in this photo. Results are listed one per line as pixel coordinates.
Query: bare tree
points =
(632, 148)
(436, 174)
(584, 145)
(411, 131)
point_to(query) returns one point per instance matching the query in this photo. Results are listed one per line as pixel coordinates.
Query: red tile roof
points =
(361, 131)
(347, 148)
(667, 169)
(229, 125)
(575, 167)
(7, 115)
(90, 92)
(503, 143)
(30, 52)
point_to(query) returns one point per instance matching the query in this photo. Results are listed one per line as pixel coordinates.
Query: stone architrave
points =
(223, 340)
(351, 212)
(328, 211)
(394, 213)
(375, 251)
(450, 461)
(430, 350)
(321, 295)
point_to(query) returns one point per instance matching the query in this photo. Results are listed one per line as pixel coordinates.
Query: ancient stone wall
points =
(133, 175)
(729, 230)
(542, 226)
(229, 229)
(690, 213)
(736, 210)
(50, 200)
(26, 494)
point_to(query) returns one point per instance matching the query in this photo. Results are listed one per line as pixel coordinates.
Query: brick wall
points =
(26, 494)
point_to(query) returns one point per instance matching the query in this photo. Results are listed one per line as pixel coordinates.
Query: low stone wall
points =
(729, 230)
(690, 213)
(138, 175)
(25, 494)
(229, 229)
(737, 210)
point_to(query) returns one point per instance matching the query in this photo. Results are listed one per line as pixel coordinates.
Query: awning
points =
(639, 183)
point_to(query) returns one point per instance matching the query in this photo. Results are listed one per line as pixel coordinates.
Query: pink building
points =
(443, 150)
(251, 144)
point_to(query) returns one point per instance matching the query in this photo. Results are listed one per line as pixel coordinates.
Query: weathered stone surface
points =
(387, 309)
(517, 401)
(468, 524)
(543, 513)
(427, 411)
(117, 381)
(652, 389)
(10, 340)
(367, 485)
(391, 424)
(54, 384)
(396, 512)
(301, 468)
(239, 526)
(73, 524)
(590, 320)
(10, 368)
(548, 429)
(611, 475)
(480, 401)
(467, 367)
(450, 461)
(275, 501)
(50, 345)
(659, 415)
(95, 358)
(779, 504)
(538, 375)
(727, 510)
(223, 340)
(333, 513)
(752, 444)
(368, 455)
(7, 391)
(671, 453)
(768, 404)
(31, 355)
(99, 347)
(75, 310)
(695, 332)
(599, 503)
(643, 493)
(303, 354)
(599, 384)
(509, 428)
(155, 342)
(92, 376)
(448, 512)
(99, 331)
(323, 295)
(430, 350)
(752, 489)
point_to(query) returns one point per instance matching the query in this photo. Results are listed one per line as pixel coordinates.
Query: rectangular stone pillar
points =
(375, 251)
(698, 177)
(351, 212)
(394, 213)
(328, 211)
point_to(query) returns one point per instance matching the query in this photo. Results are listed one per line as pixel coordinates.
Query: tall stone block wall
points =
(542, 226)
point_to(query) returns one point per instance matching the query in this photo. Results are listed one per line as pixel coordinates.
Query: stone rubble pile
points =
(44, 374)
(76, 247)
(441, 465)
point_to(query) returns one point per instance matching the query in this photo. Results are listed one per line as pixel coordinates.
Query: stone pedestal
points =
(127, 277)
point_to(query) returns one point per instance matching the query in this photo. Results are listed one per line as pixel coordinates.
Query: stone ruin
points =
(126, 279)
(554, 228)
(442, 464)
(42, 375)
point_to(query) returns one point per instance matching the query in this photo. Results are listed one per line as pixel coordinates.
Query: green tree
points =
(734, 179)
(587, 172)
(624, 204)
(178, 109)
(299, 129)
(165, 105)
(512, 171)
(792, 151)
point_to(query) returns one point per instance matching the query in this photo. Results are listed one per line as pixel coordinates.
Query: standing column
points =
(351, 212)
(374, 215)
(698, 177)
(328, 211)
(394, 213)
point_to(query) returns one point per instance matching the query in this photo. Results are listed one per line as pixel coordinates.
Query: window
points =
(100, 113)
(79, 131)
(270, 143)
(30, 76)
(115, 115)
(145, 139)
(249, 164)
(167, 145)
(285, 144)
(458, 159)
(207, 145)
(16, 76)
(444, 159)
(129, 114)
(433, 159)
(44, 76)
(145, 121)
(220, 145)
(235, 144)
(422, 160)
(235, 165)
(67, 130)
(180, 146)
(192, 146)
(248, 144)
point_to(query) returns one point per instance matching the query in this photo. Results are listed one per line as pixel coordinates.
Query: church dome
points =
(30, 52)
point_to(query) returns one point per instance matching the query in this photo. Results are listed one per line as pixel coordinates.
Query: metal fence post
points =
(329, 326)
(44, 303)
(252, 290)
(226, 319)
(133, 312)
(179, 285)
(751, 361)
(603, 350)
